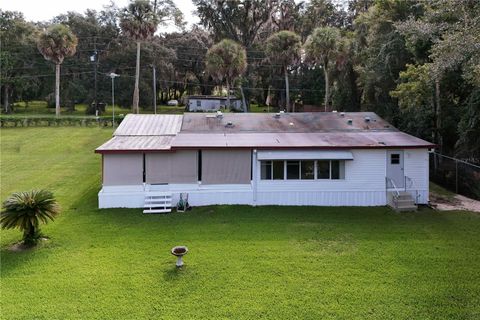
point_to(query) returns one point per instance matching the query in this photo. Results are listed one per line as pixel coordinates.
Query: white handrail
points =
(393, 184)
(412, 187)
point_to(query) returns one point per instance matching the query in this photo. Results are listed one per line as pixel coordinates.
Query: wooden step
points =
(157, 210)
(157, 202)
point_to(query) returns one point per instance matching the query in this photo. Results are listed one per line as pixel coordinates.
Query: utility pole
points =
(112, 76)
(154, 90)
(94, 60)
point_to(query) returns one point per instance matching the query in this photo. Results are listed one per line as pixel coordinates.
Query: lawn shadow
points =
(174, 273)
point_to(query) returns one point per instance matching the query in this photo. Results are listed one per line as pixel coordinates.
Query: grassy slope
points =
(244, 263)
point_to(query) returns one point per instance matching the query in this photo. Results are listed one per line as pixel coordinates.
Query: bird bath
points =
(179, 252)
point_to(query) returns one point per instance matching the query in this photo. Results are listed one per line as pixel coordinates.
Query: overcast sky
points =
(42, 10)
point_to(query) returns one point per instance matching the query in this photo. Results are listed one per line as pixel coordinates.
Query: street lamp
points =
(112, 76)
(94, 60)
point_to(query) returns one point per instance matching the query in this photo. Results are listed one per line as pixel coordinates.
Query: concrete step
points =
(405, 202)
(405, 208)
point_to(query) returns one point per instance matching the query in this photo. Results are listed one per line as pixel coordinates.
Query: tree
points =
(237, 20)
(283, 48)
(55, 44)
(26, 210)
(139, 22)
(321, 48)
(226, 60)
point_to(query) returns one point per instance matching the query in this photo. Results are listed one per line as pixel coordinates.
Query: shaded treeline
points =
(415, 63)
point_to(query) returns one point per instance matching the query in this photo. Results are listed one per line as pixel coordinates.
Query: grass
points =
(244, 262)
(441, 192)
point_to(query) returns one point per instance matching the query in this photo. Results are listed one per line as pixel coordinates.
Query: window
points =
(278, 173)
(293, 170)
(302, 170)
(335, 169)
(395, 158)
(199, 103)
(323, 169)
(308, 170)
(266, 170)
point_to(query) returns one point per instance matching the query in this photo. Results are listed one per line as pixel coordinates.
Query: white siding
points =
(364, 185)
(416, 167)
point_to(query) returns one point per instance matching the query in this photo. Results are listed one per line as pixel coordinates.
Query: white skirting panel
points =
(322, 198)
(133, 197)
(207, 198)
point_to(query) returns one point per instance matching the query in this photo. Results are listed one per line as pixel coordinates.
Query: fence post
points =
(456, 176)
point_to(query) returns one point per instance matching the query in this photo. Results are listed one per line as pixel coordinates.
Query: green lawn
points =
(244, 262)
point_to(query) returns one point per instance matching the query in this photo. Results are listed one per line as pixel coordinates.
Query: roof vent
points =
(219, 114)
(229, 124)
(342, 114)
(350, 121)
(277, 115)
(291, 124)
(367, 119)
(282, 112)
(334, 111)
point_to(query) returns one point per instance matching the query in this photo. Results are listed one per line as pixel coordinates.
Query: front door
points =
(395, 168)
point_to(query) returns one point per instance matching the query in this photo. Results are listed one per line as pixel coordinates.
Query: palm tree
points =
(139, 22)
(56, 43)
(26, 210)
(321, 48)
(283, 48)
(226, 60)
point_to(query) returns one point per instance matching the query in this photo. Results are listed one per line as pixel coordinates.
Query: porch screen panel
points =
(122, 169)
(226, 166)
(157, 167)
(183, 167)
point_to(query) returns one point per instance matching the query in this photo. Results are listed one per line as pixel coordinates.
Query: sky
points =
(36, 10)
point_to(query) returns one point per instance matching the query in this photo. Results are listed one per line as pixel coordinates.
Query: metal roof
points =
(149, 125)
(136, 143)
(322, 130)
(212, 98)
(286, 122)
(327, 140)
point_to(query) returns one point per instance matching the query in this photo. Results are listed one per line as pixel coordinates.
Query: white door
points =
(395, 168)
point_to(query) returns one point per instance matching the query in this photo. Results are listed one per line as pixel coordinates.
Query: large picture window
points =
(302, 170)
(293, 170)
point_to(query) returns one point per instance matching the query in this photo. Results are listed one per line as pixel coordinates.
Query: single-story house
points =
(212, 103)
(320, 159)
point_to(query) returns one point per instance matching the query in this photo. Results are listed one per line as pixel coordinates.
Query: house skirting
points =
(203, 195)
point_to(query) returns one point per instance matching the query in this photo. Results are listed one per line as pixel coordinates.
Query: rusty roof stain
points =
(327, 130)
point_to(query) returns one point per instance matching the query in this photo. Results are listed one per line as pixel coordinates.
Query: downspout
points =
(254, 176)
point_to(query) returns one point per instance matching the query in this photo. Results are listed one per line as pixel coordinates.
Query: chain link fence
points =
(457, 175)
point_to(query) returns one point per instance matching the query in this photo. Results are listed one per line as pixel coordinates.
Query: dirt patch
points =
(458, 202)
(20, 247)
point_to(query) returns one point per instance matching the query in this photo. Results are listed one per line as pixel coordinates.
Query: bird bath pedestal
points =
(179, 252)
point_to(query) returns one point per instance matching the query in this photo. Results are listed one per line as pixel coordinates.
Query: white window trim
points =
(315, 173)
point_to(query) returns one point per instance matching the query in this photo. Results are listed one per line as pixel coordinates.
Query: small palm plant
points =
(26, 210)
